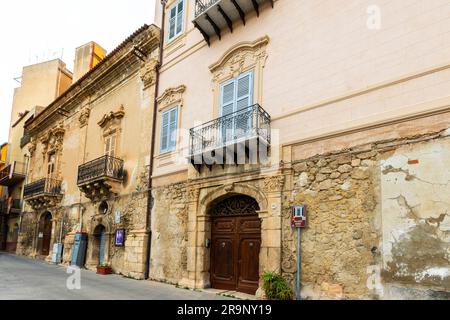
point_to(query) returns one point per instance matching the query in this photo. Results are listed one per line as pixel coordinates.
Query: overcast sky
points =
(33, 31)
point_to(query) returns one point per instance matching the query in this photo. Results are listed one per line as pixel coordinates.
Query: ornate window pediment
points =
(52, 140)
(241, 58)
(171, 96)
(111, 121)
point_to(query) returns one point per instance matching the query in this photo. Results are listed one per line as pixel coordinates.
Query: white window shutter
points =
(180, 11)
(173, 128)
(227, 98)
(244, 91)
(172, 22)
(165, 132)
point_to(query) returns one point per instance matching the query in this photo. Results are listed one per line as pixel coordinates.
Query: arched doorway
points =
(99, 248)
(235, 244)
(45, 234)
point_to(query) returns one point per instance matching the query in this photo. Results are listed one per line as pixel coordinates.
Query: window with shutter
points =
(236, 95)
(110, 145)
(176, 19)
(51, 166)
(169, 125)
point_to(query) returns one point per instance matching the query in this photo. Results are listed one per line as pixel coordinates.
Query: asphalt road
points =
(22, 278)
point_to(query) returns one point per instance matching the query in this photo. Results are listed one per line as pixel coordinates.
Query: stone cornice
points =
(121, 60)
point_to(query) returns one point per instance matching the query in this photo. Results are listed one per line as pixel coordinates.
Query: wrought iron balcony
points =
(223, 134)
(25, 140)
(12, 174)
(10, 206)
(42, 188)
(99, 177)
(212, 16)
(104, 167)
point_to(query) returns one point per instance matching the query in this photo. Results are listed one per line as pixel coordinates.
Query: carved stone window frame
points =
(111, 124)
(52, 144)
(171, 98)
(240, 58)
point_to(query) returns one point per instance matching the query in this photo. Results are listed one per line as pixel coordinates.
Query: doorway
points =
(236, 243)
(100, 244)
(45, 234)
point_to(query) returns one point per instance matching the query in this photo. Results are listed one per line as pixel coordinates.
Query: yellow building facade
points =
(89, 159)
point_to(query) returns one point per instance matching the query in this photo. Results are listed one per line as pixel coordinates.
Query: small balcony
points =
(212, 16)
(43, 193)
(101, 177)
(237, 138)
(13, 206)
(25, 140)
(12, 174)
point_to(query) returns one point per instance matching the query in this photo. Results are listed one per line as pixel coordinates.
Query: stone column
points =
(190, 280)
(34, 245)
(135, 253)
(52, 240)
(203, 279)
(271, 248)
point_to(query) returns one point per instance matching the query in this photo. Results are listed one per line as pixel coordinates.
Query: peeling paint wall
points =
(379, 220)
(415, 184)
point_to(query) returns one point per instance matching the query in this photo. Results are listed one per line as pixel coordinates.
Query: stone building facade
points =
(40, 84)
(358, 112)
(89, 160)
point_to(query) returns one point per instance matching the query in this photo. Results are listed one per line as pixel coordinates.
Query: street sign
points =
(117, 216)
(298, 222)
(299, 217)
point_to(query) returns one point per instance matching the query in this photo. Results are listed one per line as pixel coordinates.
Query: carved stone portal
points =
(235, 205)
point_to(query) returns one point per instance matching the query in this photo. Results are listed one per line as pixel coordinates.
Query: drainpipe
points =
(152, 151)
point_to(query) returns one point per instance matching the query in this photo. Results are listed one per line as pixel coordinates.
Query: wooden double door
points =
(236, 243)
(45, 234)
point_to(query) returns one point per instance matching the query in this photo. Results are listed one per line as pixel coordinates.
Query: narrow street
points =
(27, 279)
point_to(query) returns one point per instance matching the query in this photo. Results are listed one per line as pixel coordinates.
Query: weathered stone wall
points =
(378, 220)
(26, 235)
(341, 240)
(169, 233)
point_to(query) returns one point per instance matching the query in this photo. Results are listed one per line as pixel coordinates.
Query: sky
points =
(35, 31)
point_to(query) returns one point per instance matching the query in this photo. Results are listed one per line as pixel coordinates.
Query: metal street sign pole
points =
(298, 264)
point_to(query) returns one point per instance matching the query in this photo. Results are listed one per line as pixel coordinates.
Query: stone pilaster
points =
(190, 280)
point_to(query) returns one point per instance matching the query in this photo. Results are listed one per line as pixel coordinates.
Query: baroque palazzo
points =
(179, 156)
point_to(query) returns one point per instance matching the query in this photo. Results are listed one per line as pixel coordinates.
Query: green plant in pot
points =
(276, 287)
(104, 268)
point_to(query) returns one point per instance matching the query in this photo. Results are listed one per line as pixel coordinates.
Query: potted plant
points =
(275, 287)
(104, 269)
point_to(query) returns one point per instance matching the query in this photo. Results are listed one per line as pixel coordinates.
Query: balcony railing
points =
(16, 206)
(202, 5)
(12, 174)
(212, 16)
(43, 187)
(104, 167)
(240, 126)
(25, 140)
